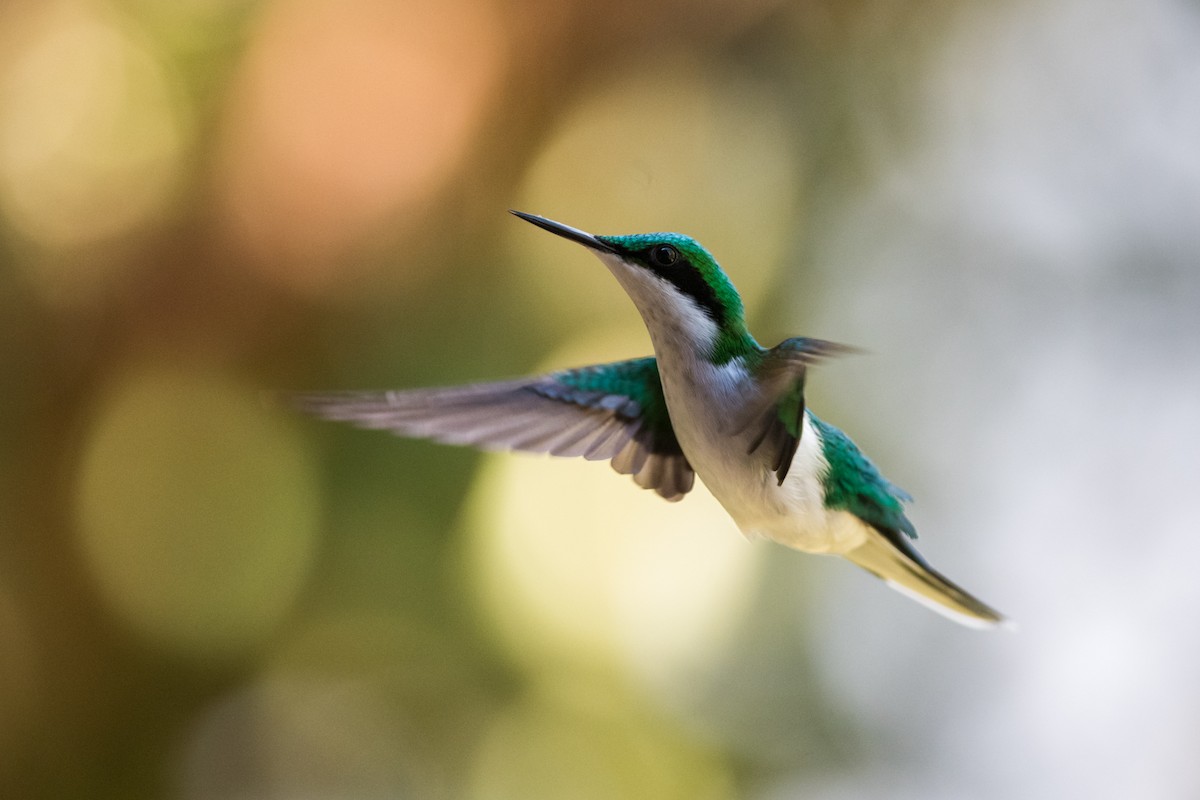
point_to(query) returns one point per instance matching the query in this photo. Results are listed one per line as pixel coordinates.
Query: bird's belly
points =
(834, 532)
(702, 398)
(793, 514)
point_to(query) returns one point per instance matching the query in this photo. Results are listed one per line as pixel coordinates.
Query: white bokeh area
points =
(1050, 409)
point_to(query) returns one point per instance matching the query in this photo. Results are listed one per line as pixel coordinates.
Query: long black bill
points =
(566, 231)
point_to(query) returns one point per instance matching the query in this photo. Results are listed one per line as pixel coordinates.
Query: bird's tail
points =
(907, 572)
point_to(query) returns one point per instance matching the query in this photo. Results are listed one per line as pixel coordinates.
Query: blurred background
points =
(203, 596)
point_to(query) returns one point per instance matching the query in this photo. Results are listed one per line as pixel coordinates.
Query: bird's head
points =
(676, 284)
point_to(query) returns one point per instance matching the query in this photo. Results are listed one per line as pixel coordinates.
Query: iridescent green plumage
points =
(854, 484)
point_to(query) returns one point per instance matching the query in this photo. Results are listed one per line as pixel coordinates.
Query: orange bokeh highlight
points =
(94, 133)
(345, 113)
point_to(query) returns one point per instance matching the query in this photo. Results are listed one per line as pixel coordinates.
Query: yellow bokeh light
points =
(582, 745)
(578, 567)
(344, 112)
(197, 508)
(90, 132)
(677, 149)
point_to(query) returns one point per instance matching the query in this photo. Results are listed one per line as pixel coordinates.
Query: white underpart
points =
(703, 397)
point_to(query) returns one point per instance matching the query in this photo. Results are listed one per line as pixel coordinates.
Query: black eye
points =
(664, 255)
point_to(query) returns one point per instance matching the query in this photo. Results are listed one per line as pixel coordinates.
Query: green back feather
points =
(853, 484)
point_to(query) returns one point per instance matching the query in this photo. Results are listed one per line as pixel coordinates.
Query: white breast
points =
(702, 399)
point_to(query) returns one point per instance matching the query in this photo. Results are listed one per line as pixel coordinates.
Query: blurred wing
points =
(605, 412)
(776, 413)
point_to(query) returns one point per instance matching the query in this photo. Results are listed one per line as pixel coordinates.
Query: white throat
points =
(678, 327)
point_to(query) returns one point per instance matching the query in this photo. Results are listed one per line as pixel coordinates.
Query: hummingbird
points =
(710, 402)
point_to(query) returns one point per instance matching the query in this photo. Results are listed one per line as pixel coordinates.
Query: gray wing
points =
(775, 414)
(605, 412)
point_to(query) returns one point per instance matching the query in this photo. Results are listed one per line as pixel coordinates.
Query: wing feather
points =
(631, 458)
(610, 412)
(775, 414)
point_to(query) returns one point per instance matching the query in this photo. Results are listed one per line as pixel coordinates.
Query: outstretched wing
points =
(776, 414)
(604, 412)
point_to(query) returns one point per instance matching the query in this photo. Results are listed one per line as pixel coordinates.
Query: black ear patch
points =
(672, 266)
